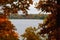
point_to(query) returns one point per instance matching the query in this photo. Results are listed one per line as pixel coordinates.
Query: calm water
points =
(22, 24)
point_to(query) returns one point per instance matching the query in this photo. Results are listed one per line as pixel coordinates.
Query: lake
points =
(22, 24)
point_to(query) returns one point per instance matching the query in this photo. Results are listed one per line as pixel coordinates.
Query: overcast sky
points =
(31, 10)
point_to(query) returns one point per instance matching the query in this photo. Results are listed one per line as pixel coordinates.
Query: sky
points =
(32, 10)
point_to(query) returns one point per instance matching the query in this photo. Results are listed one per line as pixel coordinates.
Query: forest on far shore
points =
(30, 16)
